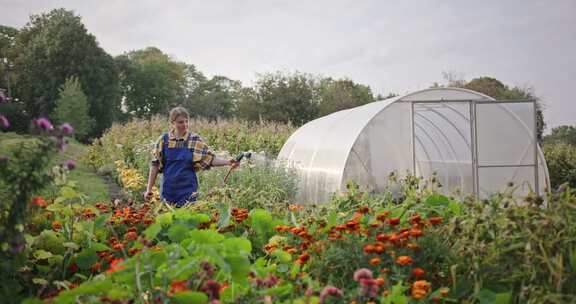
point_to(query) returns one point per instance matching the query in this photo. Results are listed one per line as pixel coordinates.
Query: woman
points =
(178, 155)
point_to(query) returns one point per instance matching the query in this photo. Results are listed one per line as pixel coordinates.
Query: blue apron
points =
(179, 183)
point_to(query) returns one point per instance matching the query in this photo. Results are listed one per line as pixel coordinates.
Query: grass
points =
(87, 182)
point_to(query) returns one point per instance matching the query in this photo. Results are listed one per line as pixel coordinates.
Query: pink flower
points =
(4, 123)
(70, 164)
(330, 291)
(362, 273)
(369, 287)
(3, 97)
(66, 129)
(44, 124)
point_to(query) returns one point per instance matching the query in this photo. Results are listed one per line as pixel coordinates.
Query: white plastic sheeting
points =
(473, 144)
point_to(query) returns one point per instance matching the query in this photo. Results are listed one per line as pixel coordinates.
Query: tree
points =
(55, 46)
(287, 97)
(562, 134)
(214, 98)
(151, 82)
(336, 95)
(72, 108)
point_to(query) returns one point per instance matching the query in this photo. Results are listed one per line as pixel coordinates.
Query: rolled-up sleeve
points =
(157, 154)
(202, 155)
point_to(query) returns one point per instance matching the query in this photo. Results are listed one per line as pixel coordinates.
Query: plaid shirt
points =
(202, 156)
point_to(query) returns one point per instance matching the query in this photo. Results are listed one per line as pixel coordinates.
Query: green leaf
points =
(71, 245)
(261, 221)
(89, 288)
(191, 297)
(437, 200)
(239, 268)
(152, 231)
(224, 219)
(68, 193)
(237, 245)
(486, 296)
(86, 258)
(164, 219)
(205, 236)
(283, 256)
(99, 247)
(32, 301)
(42, 254)
(178, 233)
(397, 296)
(503, 298)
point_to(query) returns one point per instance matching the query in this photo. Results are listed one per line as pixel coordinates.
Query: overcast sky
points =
(392, 46)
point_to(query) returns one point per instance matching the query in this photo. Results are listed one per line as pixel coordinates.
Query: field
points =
(248, 241)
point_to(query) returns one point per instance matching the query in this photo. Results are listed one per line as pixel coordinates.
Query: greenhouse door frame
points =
(473, 126)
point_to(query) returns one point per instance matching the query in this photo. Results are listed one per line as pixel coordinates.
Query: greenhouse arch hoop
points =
(473, 143)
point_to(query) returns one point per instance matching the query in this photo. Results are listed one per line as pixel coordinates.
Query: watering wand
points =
(237, 160)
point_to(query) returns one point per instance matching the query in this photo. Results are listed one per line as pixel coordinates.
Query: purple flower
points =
(61, 143)
(362, 273)
(44, 124)
(66, 129)
(4, 123)
(70, 164)
(330, 291)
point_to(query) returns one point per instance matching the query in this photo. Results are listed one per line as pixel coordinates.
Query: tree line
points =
(53, 67)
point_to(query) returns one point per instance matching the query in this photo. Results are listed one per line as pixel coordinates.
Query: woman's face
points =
(180, 124)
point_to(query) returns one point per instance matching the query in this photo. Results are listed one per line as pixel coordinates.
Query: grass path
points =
(87, 181)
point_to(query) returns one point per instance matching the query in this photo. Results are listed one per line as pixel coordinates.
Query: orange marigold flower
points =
(292, 250)
(364, 209)
(413, 246)
(416, 233)
(404, 260)
(296, 230)
(379, 248)
(133, 251)
(56, 225)
(380, 281)
(130, 236)
(375, 225)
(295, 207)
(420, 288)
(382, 237)
(39, 201)
(303, 258)
(369, 248)
(415, 219)
(382, 215)
(115, 265)
(444, 291)
(375, 261)
(394, 221)
(96, 267)
(435, 220)
(418, 272)
(178, 286)
(118, 246)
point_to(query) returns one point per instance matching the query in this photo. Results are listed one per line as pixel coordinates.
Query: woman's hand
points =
(233, 163)
(147, 195)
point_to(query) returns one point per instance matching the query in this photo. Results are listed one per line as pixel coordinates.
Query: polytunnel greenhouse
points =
(472, 142)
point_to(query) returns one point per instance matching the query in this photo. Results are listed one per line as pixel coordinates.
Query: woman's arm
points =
(151, 179)
(217, 162)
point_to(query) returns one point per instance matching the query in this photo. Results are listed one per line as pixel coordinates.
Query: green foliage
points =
(54, 46)
(285, 98)
(562, 134)
(508, 245)
(336, 95)
(150, 81)
(214, 98)
(561, 161)
(72, 108)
